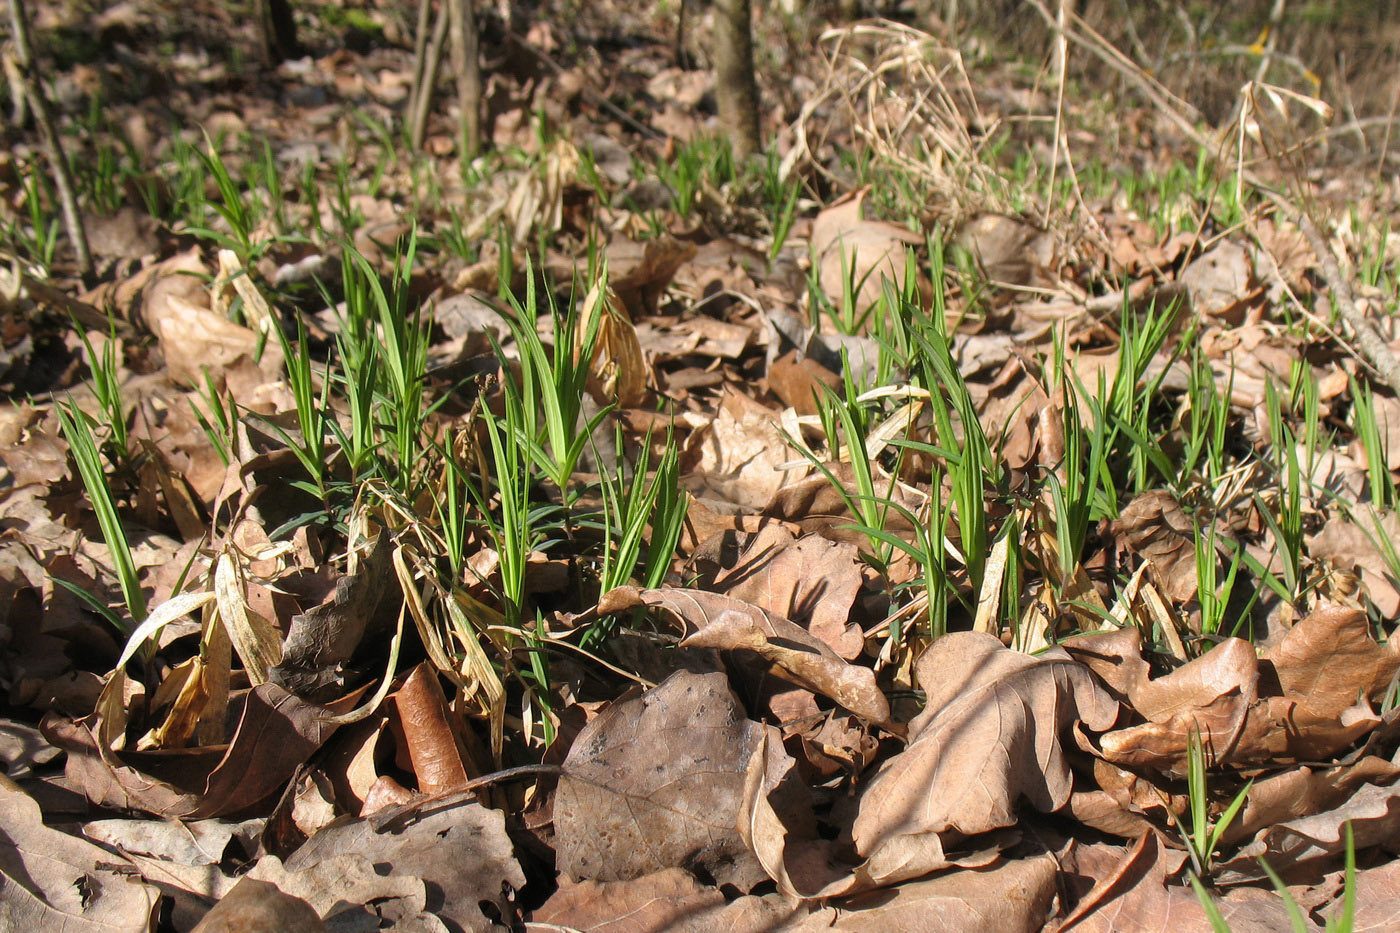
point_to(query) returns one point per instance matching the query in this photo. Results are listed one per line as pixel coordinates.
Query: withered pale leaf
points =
(455, 846)
(50, 880)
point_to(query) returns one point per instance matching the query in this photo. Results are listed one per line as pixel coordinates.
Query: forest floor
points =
(977, 512)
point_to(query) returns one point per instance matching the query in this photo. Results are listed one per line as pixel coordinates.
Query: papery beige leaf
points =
(50, 880)
(257, 640)
(868, 251)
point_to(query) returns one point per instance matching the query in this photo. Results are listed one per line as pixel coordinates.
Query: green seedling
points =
(238, 209)
(219, 431)
(1213, 595)
(962, 442)
(312, 411)
(1203, 838)
(630, 505)
(1374, 441)
(106, 385)
(1086, 493)
(1285, 520)
(1205, 423)
(553, 426)
(846, 423)
(78, 431)
(38, 241)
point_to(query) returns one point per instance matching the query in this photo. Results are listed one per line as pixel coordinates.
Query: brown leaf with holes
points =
(54, 881)
(655, 782)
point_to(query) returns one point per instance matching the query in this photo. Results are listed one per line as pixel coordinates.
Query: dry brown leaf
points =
(258, 905)
(1133, 897)
(809, 580)
(275, 735)
(325, 636)
(1377, 899)
(1154, 527)
(1009, 250)
(655, 782)
(455, 846)
(738, 458)
(349, 893)
(641, 272)
(1373, 813)
(53, 881)
(1304, 791)
(428, 734)
(988, 737)
(1221, 282)
(1008, 896)
(665, 900)
(1351, 546)
(1305, 709)
(711, 620)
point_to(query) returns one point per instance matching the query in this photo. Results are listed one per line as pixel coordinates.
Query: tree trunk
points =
(277, 30)
(736, 92)
(466, 62)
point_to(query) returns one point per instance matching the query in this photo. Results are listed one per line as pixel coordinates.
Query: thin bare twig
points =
(53, 146)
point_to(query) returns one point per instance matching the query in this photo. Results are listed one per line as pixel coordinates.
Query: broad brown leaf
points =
(655, 782)
(988, 737)
(810, 580)
(457, 847)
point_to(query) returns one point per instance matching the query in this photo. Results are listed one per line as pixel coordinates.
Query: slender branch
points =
(53, 146)
(427, 72)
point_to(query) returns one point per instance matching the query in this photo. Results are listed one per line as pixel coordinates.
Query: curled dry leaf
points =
(427, 731)
(325, 636)
(1306, 708)
(618, 371)
(50, 880)
(1154, 527)
(711, 620)
(810, 580)
(989, 736)
(275, 735)
(655, 782)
